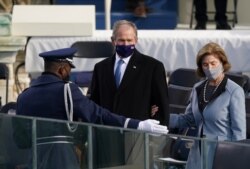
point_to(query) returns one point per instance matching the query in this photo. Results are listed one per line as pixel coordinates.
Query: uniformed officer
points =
(52, 96)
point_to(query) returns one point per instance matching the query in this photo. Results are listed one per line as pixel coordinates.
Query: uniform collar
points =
(46, 78)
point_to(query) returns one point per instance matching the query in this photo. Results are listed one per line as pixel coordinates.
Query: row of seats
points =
(164, 13)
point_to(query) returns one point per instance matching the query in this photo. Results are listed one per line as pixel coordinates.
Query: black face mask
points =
(125, 50)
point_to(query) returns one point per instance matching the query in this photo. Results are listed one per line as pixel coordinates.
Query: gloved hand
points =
(152, 126)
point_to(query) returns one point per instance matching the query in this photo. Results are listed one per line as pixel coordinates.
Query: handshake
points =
(152, 126)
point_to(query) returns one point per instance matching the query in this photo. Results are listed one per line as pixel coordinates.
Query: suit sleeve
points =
(160, 94)
(238, 114)
(182, 120)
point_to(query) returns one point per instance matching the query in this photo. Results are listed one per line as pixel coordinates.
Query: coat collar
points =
(200, 90)
(46, 78)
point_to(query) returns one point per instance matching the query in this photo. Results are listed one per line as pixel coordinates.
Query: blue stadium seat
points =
(164, 15)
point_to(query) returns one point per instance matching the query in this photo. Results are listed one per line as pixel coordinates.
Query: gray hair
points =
(118, 23)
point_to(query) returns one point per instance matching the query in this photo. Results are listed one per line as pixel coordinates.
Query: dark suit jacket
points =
(143, 85)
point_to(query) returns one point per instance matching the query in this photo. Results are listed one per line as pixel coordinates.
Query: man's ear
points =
(61, 71)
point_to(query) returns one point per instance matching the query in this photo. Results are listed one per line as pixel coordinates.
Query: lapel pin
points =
(134, 67)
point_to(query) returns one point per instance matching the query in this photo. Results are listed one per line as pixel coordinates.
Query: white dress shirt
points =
(123, 66)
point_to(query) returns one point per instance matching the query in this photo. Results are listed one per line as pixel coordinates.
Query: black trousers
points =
(201, 11)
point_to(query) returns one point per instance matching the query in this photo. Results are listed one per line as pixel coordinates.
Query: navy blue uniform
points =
(45, 98)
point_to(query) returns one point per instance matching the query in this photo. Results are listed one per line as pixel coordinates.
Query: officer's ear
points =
(64, 70)
(61, 70)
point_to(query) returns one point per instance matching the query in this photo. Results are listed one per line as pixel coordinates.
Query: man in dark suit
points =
(142, 82)
(52, 96)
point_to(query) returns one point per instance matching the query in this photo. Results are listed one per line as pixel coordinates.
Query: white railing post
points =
(108, 14)
(90, 147)
(34, 148)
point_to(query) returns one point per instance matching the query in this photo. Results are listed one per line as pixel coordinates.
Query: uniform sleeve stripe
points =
(126, 123)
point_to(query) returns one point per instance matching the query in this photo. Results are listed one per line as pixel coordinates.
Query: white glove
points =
(152, 126)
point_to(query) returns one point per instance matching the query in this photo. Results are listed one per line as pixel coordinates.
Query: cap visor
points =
(72, 65)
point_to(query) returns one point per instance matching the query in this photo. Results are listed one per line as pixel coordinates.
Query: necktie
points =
(118, 72)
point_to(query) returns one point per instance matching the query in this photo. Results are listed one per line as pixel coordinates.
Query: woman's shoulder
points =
(231, 86)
